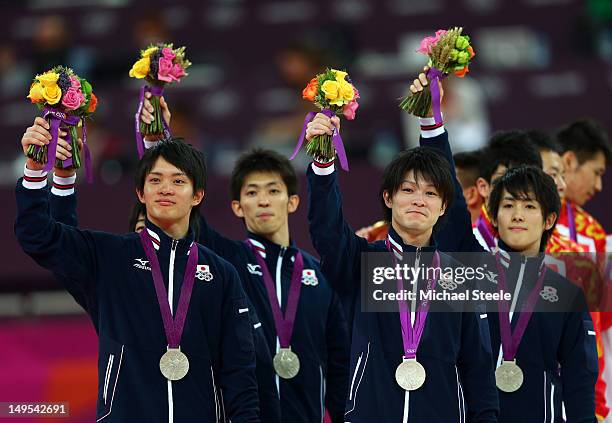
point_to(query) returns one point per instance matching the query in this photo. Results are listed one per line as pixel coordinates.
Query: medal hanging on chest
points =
(509, 376)
(286, 362)
(173, 364)
(410, 375)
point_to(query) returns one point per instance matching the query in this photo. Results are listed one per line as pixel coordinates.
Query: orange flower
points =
(310, 92)
(93, 103)
(461, 73)
(471, 51)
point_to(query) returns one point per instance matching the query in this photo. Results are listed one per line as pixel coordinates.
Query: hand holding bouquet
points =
(159, 64)
(449, 52)
(334, 93)
(65, 100)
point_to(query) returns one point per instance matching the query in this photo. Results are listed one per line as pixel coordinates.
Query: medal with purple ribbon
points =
(286, 362)
(410, 375)
(509, 376)
(174, 364)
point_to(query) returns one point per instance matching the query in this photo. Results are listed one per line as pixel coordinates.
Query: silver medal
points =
(509, 376)
(174, 365)
(286, 363)
(410, 375)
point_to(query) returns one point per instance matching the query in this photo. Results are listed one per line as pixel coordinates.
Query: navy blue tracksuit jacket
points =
(455, 348)
(320, 336)
(110, 275)
(558, 353)
(63, 209)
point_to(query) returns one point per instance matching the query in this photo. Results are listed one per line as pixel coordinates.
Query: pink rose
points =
(177, 72)
(73, 99)
(75, 82)
(428, 42)
(349, 110)
(440, 33)
(165, 67)
(168, 53)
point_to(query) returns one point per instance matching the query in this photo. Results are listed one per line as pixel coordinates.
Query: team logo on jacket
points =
(254, 269)
(491, 276)
(447, 282)
(549, 293)
(142, 264)
(309, 277)
(203, 273)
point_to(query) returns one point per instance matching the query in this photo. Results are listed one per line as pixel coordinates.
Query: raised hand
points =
(321, 125)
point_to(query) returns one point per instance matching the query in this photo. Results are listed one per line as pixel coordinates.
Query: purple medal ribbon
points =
(411, 335)
(283, 324)
(158, 92)
(434, 75)
(172, 326)
(336, 140)
(511, 340)
(571, 223)
(485, 232)
(55, 120)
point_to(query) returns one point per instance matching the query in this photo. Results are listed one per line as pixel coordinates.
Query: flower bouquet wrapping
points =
(449, 52)
(159, 64)
(65, 100)
(334, 93)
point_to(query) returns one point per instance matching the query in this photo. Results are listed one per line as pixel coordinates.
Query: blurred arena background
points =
(540, 64)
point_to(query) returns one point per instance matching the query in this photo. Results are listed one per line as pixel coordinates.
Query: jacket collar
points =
(162, 241)
(399, 247)
(266, 247)
(509, 256)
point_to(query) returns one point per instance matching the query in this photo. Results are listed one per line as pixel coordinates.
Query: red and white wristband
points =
(34, 179)
(429, 127)
(323, 169)
(63, 186)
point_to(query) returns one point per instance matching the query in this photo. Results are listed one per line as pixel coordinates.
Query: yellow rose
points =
(331, 90)
(140, 68)
(48, 79)
(36, 92)
(340, 75)
(148, 52)
(346, 91)
(52, 94)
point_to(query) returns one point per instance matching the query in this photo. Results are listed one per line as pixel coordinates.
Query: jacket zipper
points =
(279, 296)
(171, 301)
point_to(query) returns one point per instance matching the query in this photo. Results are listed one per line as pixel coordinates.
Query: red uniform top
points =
(588, 230)
(580, 268)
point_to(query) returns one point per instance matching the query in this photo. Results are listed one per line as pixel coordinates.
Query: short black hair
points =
(523, 181)
(137, 209)
(510, 149)
(181, 155)
(426, 163)
(469, 163)
(586, 138)
(544, 142)
(262, 160)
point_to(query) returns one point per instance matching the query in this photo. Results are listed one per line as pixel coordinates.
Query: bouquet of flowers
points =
(449, 52)
(159, 64)
(334, 93)
(65, 100)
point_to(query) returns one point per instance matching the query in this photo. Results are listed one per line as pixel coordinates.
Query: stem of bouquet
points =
(321, 148)
(418, 104)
